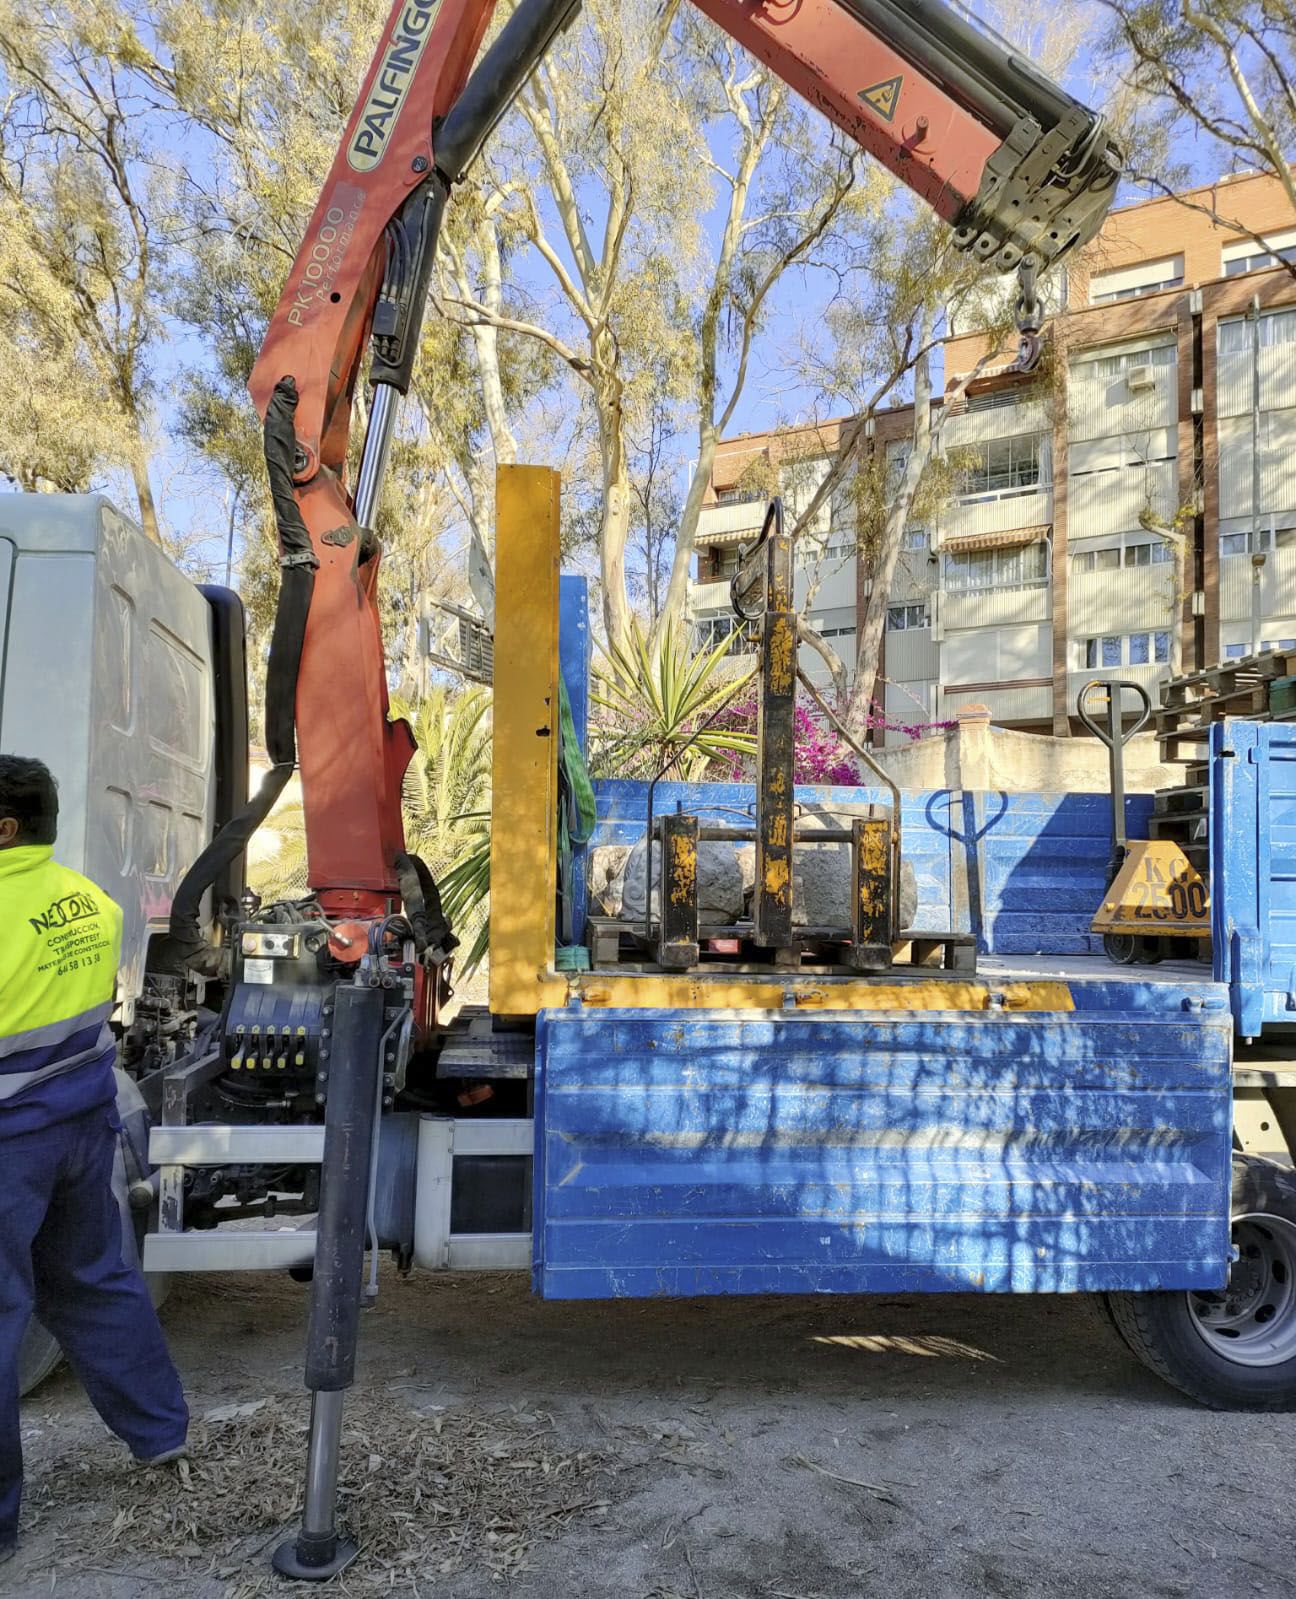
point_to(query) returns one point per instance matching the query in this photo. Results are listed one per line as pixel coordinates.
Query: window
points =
(1250, 255)
(737, 496)
(997, 399)
(711, 631)
(1276, 327)
(915, 538)
(1127, 283)
(1110, 366)
(1129, 649)
(1155, 552)
(1005, 466)
(841, 632)
(1234, 652)
(900, 618)
(1021, 566)
(898, 452)
(1096, 561)
(1280, 538)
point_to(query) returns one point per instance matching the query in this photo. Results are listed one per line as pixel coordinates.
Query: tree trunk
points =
(614, 526)
(148, 519)
(686, 538)
(870, 637)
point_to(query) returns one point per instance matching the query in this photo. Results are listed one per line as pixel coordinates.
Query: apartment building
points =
(747, 471)
(1135, 510)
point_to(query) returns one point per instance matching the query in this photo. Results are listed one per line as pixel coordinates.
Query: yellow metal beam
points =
(524, 781)
(632, 990)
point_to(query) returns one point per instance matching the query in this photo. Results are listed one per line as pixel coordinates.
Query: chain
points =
(1029, 315)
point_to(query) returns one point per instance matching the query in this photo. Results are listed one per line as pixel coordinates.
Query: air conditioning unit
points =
(1138, 379)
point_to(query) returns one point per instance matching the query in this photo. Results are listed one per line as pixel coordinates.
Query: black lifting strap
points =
(422, 899)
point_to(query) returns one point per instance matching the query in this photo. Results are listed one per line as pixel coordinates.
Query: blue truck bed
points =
(743, 1152)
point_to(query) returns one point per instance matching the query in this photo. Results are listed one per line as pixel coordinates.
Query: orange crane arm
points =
(1020, 170)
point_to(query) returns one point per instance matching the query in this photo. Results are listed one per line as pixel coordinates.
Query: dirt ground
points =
(727, 1449)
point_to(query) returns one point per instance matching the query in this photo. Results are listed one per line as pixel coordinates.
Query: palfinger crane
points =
(330, 1004)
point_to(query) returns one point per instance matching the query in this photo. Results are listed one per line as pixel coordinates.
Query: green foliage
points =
(650, 706)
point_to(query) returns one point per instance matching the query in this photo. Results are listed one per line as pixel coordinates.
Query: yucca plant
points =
(652, 707)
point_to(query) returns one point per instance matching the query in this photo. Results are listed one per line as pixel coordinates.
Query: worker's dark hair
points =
(29, 794)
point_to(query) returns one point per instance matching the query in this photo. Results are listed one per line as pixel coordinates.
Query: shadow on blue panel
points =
(732, 1153)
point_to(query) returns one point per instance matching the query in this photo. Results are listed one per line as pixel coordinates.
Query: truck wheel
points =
(38, 1355)
(1232, 1348)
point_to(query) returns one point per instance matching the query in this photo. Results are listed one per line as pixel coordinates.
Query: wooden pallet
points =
(613, 942)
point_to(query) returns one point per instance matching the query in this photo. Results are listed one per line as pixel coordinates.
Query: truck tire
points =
(38, 1356)
(1234, 1348)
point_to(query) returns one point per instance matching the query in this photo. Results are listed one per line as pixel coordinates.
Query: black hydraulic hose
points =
(496, 80)
(186, 947)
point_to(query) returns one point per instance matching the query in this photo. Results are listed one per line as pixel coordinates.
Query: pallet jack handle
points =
(1115, 737)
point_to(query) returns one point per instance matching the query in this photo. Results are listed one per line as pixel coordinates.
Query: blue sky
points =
(195, 501)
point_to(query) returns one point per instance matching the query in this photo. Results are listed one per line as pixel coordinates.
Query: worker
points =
(60, 1227)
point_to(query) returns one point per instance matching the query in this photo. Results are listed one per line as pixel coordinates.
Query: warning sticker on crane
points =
(883, 97)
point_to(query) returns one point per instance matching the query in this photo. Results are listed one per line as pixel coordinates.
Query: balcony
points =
(911, 655)
(1099, 503)
(1126, 600)
(999, 513)
(728, 521)
(1151, 677)
(1233, 385)
(1098, 407)
(1277, 586)
(1032, 702)
(999, 422)
(704, 598)
(1277, 464)
(974, 608)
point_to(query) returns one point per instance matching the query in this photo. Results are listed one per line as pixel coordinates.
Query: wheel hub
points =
(1252, 1322)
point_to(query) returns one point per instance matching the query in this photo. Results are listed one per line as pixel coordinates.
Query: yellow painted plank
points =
(651, 991)
(524, 780)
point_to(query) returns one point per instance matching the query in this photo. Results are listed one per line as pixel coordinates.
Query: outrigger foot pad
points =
(314, 1559)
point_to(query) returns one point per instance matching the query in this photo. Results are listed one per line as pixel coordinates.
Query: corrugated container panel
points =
(735, 1153)
(1253, 871)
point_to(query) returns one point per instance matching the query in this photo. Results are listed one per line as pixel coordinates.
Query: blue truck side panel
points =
(1253, 871)
(724, 1152)
(574, 653)
(1025, 872)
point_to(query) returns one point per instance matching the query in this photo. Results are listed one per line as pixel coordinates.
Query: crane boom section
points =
(1021, 171)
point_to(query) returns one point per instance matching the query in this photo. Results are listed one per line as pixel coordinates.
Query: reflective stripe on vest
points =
(43, 1052)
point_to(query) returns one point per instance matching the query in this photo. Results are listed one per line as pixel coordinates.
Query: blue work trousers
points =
(61, 1256)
